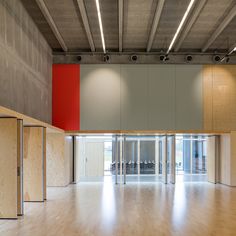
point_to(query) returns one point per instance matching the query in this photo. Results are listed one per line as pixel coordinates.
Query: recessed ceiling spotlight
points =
(164, 58)
(79, 58)
(189, 58)
(133, 57)
(216, 58)
(106, 58)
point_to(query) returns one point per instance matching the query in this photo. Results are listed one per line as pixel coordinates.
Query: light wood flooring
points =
(134, 209)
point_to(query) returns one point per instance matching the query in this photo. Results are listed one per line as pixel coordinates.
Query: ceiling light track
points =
(100, 25)
(180, 26)
(226, 57)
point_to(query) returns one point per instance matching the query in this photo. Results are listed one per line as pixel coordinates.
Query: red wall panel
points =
(66, 96)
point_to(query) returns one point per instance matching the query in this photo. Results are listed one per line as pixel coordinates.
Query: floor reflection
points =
(108, 203)
(179, 205)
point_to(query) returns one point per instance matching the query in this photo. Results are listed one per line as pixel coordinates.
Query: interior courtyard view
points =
(117, 117)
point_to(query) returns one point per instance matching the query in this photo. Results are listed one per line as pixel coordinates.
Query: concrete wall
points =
(141, 97)
(25, 63)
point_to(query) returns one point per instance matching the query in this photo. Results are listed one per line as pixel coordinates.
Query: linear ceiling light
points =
(226, 57)
(100, 25)
(180, 25)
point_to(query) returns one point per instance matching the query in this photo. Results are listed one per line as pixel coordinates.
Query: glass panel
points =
(147, 157)
(191, 157)
(108, 158)
(131, 157)
(160, 157)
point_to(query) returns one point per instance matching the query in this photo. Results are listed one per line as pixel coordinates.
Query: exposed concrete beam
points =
(86, 23)
(220, 28)
(51, 23)
(155, 23)
(190, 23)
(121, 19)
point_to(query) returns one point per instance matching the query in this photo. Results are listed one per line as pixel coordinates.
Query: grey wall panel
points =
(134, 97)
(141, 97)
(25, 63)
(161, 97)
(188, 97)
(100, 97)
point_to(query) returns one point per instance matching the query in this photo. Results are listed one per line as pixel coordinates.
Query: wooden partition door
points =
(212, 159)
(34, 164)
(8, 168)
(20, 200)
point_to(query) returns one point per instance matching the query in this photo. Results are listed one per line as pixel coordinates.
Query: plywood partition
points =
(20, 200)
(8, 168)
(225, 156)
(211, 159)
(44, 165)
(34, 164)
(58, 159)
(233, 158)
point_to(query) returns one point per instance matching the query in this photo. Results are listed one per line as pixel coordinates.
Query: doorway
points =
(191, 158)
(108, 158)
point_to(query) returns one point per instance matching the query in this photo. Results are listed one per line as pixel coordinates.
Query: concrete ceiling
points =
(138, 18)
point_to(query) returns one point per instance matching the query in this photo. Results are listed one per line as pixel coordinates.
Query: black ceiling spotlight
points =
(133, 57)
(106, 58)
(79, 58)
(216, 58)
(189, 58)
(164, 58)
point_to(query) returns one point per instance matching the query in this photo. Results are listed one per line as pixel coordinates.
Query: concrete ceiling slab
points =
(137, 22)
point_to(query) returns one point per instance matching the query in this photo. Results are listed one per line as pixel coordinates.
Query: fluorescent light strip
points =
(180, 25)
(100, 25)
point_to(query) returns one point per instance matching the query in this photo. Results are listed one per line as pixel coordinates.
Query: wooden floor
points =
(134, 209)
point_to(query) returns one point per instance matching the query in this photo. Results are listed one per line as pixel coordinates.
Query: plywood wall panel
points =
(8, 168)
(225, 156)
(20, 196)
(233, 159)
(224, 97)
(58, 159)
(219, 97)
(33, 164)
(68, 160)
(44, 165)
(211, 159)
